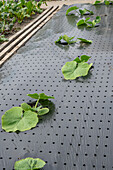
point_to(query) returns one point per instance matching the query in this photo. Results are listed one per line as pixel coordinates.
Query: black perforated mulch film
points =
(77, 134)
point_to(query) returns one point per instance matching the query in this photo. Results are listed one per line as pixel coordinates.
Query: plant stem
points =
(36, 103)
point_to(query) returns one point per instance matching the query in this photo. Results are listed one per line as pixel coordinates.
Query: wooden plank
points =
(8, 55)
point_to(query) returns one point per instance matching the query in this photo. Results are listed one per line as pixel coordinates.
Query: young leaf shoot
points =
(83, 21)
(94, 22)
(84, 11)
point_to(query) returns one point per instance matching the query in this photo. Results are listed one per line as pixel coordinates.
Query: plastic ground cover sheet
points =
(77, 133)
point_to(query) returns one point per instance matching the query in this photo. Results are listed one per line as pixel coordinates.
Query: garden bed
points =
(77, 133)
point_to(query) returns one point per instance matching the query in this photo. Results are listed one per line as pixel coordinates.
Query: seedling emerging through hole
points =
(68, 40)
(25, 117)
(76, 68)
(79, 11)
(88, 23)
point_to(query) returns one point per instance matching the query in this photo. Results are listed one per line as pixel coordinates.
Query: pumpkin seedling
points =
(88, 23)
(79, 11)
(25, 117)
(76, 68)
(68, 40)
(93, 23)
(29, 164)
(85, 11)
(82, 22)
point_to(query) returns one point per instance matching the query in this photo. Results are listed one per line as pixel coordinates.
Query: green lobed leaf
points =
(98, 19)
(45, 97)
(77, 59)
(83, 11)
(83, 58)
(14, 119)
(71, 70)
(87, 19)
(59, 40)
(40, 96)
(43, 111)
(71, 9)
(29, 164)
(34, 96)
(81, 22)
(84, 40)
(68, 39)
(94, 22)
(25, 106)
(91, 12)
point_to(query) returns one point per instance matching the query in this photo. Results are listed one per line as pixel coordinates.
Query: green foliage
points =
(41, 2)
(25, 117)
(43, 111)
(88, 23)
(69, 40)
(107, 2)
(81, 11)
(84, 40)
(83, 21)
(2, 38)
(15, 119)
(83, 58)
(65, 38)
(12, 11)
(71, 9)
(97, 2)
(29, 164)
(94, 22)
(41, 96)
(77, 68)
